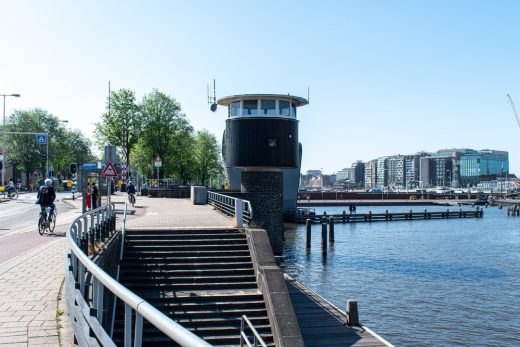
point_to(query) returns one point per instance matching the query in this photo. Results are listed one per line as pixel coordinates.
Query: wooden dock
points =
(391, 216)
(323, 324)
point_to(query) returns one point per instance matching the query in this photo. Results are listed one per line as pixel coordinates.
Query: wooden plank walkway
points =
(322, 324)
(393, 216)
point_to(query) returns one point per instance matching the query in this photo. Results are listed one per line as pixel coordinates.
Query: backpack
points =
(45, 196)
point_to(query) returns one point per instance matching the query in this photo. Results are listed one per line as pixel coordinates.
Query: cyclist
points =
(11, 187)
(46, 196)
(131, 192)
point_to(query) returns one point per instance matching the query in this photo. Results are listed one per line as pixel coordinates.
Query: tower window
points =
(235, 109)
(268, 107)
(284, 107)
(250, 107)
(273, 142)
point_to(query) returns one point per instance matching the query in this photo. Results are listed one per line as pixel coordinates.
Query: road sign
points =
(89, 166)
(109, 170)
(123, 165)
(110, 153)
(41, 139)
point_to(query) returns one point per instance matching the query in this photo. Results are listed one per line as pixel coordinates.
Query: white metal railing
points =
(236, 208)
(257, 339)
(83, 273)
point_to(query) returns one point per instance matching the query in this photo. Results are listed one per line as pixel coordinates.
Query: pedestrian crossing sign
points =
(109, 170)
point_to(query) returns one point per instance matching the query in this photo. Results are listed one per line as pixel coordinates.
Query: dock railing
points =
(87, 285)
(236, 208)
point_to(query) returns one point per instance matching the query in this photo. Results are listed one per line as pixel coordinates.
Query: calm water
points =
(420, 283)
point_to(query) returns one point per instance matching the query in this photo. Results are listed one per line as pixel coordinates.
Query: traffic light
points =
(73, 168)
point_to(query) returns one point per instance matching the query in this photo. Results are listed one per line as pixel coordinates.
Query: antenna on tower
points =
(308, 95)
(212, 100)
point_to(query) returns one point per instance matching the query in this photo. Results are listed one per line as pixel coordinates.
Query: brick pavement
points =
(30, 283)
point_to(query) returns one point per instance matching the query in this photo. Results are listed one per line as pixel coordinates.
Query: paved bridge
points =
(187, 262)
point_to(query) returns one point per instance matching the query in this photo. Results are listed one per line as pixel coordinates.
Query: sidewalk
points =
(31, 314)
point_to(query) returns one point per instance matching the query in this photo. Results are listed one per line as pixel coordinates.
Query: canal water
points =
(448, 282)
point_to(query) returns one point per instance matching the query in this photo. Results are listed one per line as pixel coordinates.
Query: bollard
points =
(369, 216)
(324, 239)
(411, 215)
(344, 216)
(447, 213)
(386, 215)
(308, 226)
(331, 229)
(352, 313)
(238, 222)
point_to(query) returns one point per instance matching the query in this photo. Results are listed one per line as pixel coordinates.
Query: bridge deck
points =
(322, 324)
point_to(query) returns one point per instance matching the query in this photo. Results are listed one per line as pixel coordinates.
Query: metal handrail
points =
(81, 263)
(243, 336)
(227, 205)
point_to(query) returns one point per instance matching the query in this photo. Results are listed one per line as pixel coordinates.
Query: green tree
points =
(120, 127)
(165, 128)
(206, 154)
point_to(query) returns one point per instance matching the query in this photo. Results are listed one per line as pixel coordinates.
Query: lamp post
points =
(3, 137)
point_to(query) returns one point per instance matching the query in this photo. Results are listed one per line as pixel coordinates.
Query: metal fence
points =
(89, 288)
(232, 207)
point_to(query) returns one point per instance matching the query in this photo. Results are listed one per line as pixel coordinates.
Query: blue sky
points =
(385, 77)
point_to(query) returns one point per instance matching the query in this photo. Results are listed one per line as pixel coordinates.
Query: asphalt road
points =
(18, 220)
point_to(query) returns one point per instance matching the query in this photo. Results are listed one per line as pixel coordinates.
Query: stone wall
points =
(264, 191)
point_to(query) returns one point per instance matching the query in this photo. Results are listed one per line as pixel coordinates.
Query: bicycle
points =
(10, 193)
(43, 221)
(131, 199)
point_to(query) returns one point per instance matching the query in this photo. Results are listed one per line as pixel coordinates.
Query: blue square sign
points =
(41, 139)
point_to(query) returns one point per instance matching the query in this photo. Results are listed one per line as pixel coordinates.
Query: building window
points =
(284, 107)
(293, 110)
(268, 107)
(235, 109)
(250, 107)
(273, 142)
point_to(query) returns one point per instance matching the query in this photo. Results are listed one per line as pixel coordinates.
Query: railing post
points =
(138, 338)
(308, 226)
(239, 211)
(352, 313)
(323, 238)
(128, 325)
(331, 229)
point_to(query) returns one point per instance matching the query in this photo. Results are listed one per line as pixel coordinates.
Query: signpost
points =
(109, 171)
(158, 164)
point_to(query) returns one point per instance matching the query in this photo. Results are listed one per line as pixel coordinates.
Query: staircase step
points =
(163, 273)
(190, 286)
(192, 278)
(179, 237)
(130, 232)
(168, 242)
(186, 266)
(199, 258)
(181, 247)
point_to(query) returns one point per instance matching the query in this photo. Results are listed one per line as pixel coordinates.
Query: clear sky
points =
(385, 77)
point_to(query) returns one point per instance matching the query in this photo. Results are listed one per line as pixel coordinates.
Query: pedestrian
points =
(88, 197)
(94, 195)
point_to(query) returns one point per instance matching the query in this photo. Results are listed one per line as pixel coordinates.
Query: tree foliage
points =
(120, 127)
(206, 157)
(64, 146)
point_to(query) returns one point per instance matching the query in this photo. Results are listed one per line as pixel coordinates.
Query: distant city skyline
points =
(384, 77)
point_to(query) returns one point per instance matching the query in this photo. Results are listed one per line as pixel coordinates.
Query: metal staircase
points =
(202, 279)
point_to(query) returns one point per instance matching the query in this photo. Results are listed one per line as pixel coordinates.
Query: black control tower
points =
(261, 142)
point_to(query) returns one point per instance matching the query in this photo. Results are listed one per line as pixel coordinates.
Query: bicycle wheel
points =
(52, 223)
(41, 223)
(13, 195)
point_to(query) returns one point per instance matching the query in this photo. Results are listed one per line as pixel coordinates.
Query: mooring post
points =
(308, 226)
(331, 229)
(324, 238)
(369, 216)
(352, 313)
(344, 216)
(425, 214)
(447, 213)
(386, 215)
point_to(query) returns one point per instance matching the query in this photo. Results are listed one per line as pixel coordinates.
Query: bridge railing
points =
(88, 287)
(236, 208)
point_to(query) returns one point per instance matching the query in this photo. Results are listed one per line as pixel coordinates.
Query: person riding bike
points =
(130, 189)
(11, 187)
(46, 196)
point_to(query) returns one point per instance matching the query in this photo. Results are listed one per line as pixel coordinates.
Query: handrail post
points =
(138, 335)
(239, 212)
(128, 325)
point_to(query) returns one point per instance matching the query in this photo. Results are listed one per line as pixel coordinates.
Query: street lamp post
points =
(3, 137)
